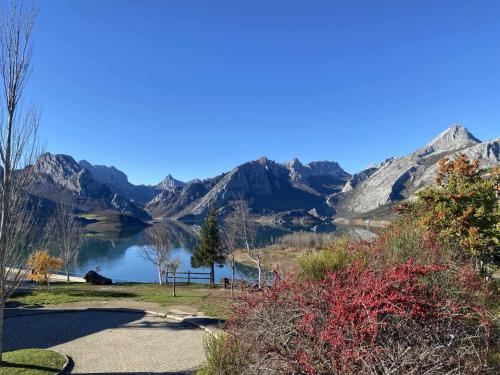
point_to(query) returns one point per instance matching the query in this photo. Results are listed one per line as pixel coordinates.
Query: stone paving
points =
(110, 342)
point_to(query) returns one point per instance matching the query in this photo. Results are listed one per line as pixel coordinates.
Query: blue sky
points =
(194, 88)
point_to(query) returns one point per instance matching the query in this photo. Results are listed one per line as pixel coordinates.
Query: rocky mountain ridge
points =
(270, 188)
(170, 184)
(300, 172)
(283, 191)
(118, 182)
(61, 179)
(399, 178)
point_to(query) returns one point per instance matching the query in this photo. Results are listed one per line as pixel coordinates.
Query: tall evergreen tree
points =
(209, 250)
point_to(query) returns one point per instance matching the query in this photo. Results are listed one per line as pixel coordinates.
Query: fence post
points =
(189, 277)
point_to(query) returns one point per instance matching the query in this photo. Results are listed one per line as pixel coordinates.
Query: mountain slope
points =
(399, 178)
(118, 182)
(170, 202)
(283, 192)
(269, 187)
(170, 184)
(61, 179)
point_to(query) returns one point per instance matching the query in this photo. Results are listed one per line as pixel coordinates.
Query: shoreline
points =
(378, 223)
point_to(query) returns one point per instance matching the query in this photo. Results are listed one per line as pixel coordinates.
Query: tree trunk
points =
(212, 276)
(173, 287)
(2, 305)
(5, 217)
(259, 268)
(159, 275)
(232, 277)
(67, 274)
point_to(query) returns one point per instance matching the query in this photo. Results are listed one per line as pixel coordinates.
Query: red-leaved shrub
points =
(358, 321)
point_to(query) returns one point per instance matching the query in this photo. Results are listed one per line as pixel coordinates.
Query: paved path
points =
(110, 342)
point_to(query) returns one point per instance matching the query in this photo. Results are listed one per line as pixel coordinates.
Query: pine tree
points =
(209, 250)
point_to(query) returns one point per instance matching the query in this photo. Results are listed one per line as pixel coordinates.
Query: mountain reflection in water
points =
(122, 259)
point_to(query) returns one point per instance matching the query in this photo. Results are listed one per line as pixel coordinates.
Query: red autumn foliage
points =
(359, 321)
(400, 304)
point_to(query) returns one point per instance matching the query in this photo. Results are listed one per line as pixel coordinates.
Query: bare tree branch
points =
(157, 248)
(68, 235)
(19, 232)
(230, 237)
(247, 234)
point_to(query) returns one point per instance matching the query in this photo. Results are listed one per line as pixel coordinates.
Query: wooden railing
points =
(189, 276)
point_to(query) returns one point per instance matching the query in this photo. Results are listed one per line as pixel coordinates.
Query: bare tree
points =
(157, 248)
(247, 234)
(172, 265)
(18, 150)
(68, 235)
(230, 239)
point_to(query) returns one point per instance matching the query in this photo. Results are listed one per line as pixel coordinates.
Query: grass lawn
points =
(214, 302)
(32, 362)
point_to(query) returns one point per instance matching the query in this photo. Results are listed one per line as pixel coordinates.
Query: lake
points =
(121, 258)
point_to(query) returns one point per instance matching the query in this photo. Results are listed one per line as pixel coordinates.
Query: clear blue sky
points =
(194, 88)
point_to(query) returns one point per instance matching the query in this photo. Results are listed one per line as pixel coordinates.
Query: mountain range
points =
(280, 192)
(373, 190)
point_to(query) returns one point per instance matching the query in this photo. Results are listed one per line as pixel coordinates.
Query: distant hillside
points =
(376, 189)
(269, 187)
(287, 192)
(118, 183)
(61, 179)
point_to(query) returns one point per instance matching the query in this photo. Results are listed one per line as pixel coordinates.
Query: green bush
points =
(408, 239)
(339, 255)
(221, 355)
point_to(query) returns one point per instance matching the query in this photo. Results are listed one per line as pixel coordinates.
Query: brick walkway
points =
(110, 342)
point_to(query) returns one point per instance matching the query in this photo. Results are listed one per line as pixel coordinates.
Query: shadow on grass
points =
(97, 293)
(7, 365)
(75, 292)
(18, 304)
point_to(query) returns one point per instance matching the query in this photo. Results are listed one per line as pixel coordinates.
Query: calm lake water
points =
(121, 258)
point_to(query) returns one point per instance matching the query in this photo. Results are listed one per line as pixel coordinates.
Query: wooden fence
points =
(189, 276)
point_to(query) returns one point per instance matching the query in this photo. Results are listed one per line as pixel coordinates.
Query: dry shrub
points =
(397, 244)
(402, 304)
(358, 321)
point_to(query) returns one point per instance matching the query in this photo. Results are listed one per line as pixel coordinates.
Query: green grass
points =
(61, 294)
(32, 362)
(213, 302)
(90, 216)
(220, 360)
